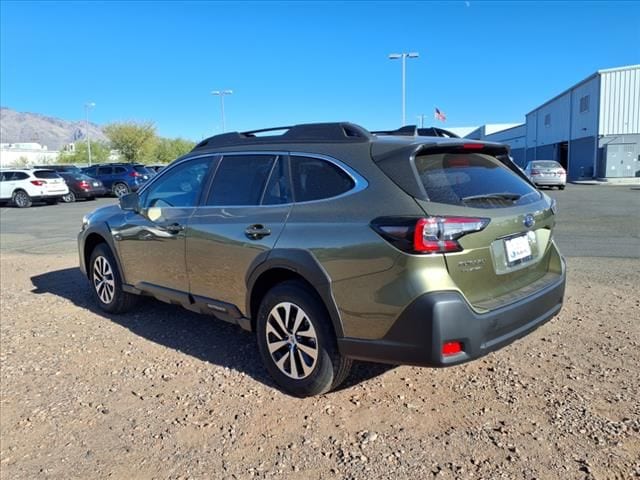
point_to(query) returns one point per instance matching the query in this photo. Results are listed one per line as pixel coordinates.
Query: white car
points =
(24, 186)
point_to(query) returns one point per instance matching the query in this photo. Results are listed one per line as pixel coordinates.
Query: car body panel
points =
(216, 233)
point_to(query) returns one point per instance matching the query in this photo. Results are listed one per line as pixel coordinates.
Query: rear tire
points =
(21, 199)
(297, 342)
(120, 189)
(69, 197)
(106, 282)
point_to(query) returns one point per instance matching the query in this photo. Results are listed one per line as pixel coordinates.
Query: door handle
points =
(257, 231)
(174, 228)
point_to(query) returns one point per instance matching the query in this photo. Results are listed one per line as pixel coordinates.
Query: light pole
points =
(221, 94)
(88, 106)
(404, 56)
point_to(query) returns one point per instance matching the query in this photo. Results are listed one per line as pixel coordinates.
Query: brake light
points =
(427, 235)
(38, 183)
(473, 146)
(84, 185)
(440, 234)
(451, 348)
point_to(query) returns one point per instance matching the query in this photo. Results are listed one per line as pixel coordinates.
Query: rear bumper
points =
(96, 192)
(550, 180)
(439, 317)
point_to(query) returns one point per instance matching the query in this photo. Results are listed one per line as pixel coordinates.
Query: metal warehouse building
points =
(592, 129)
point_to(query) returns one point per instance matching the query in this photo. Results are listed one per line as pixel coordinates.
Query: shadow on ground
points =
(200, 336)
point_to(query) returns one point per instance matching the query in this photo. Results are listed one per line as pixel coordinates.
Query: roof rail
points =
(310, 132)
(414, 131)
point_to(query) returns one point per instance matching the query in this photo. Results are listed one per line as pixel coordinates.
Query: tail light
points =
(38, 183)
(535, 172)
(563, 171)
(133, 173)
(84, 185)
(428, 235)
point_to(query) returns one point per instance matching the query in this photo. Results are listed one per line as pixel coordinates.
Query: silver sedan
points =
(546, 173)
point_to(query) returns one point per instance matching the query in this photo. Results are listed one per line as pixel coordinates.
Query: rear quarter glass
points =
(472, 179)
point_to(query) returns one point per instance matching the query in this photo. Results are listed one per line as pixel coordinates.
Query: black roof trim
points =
(306, 133)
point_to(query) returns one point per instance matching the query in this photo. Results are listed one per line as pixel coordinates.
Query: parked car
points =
(547, 173)
(120, 178)
(22, 187)
(61, 168)
(334, 244)
(82, 186)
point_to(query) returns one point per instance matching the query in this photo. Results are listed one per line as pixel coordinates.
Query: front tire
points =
(297, 342)
(106, 282)
(21, 199)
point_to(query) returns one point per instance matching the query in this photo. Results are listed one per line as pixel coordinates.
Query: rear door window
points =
(472, 179)
(241, 180)
(315, 179)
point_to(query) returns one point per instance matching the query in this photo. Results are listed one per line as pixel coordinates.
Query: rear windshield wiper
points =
(494, 196)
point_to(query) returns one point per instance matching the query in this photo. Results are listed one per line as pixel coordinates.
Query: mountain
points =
(53, 132)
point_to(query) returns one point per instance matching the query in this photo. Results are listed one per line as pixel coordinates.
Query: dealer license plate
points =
(518, 249)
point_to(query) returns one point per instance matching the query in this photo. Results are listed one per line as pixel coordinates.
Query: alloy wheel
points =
(120, 189)
(291, 340)
(103, 280)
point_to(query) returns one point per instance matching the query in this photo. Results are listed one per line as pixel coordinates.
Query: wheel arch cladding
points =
(276, 266)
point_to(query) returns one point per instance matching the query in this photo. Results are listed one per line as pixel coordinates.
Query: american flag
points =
(438, 115)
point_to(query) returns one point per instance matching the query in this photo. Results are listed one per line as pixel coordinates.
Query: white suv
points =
(24, 186)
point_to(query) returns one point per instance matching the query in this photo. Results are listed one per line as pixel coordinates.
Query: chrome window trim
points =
(360, 183)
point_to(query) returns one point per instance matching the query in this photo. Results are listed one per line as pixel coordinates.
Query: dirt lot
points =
(163, 393)
(167, 394)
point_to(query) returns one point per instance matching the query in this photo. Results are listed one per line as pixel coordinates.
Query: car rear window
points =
(473, 180)
(46, 174)
(548, 164)
(142, 169)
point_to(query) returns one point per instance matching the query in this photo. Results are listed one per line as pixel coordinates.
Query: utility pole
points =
(221, 94)
(87, 106)
(404, 56)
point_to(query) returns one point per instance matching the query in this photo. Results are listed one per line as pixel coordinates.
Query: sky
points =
(299, 62)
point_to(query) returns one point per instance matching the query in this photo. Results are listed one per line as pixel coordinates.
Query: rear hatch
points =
(507, 253)
(53, 183)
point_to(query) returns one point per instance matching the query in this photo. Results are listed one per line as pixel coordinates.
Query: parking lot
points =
(165, 393)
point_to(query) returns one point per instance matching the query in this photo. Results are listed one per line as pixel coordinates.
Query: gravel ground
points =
(164, 393)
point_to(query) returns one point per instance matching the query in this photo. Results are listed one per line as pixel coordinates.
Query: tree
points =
(99, 153)
(21, 162)
(168, 149)
(134, 141)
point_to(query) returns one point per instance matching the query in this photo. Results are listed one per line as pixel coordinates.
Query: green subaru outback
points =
(332, 243)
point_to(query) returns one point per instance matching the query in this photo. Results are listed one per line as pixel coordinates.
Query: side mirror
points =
(130, 202)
